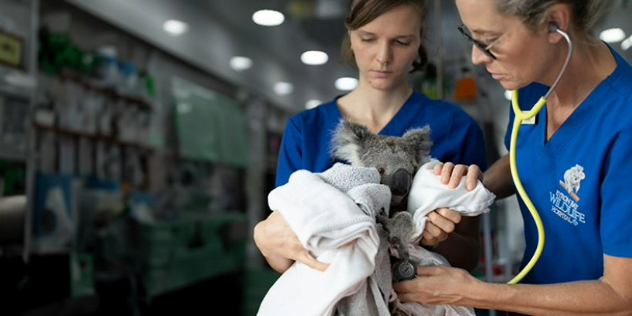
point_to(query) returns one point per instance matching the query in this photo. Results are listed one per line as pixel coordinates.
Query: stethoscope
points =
(521, 116)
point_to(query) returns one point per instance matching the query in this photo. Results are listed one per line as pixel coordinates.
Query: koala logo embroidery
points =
(572, 180)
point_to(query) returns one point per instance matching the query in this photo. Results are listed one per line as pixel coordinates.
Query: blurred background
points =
(138, 143)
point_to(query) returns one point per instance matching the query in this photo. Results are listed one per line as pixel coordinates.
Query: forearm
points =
(498, 179)
(576, 298)
(461, 251)
(461, 248)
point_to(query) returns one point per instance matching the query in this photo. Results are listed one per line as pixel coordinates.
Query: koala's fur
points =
(396, 158)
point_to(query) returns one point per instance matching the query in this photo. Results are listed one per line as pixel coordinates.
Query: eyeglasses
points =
(484, 48)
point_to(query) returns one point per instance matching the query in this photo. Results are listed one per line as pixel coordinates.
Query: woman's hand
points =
(436, 285)
(280, 246)
(440, 224)
(451, 175)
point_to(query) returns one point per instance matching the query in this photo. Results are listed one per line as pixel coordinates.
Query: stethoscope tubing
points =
(519, 117)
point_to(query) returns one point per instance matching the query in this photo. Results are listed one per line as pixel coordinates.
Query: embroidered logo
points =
(567, 207)
(572, 180)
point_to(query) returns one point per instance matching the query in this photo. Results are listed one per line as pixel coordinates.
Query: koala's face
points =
(396, 158)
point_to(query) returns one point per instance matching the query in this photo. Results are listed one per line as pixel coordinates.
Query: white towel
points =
(326, 220)
(427, 193)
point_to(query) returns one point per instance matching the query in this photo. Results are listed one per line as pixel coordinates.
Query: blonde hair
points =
(585, 14)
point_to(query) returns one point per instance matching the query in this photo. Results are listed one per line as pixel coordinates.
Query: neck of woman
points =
(373, 108)
(591, 64)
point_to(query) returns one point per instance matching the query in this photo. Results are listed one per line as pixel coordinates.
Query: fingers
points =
(277, 239)
(307, 259)
(405, 287)
(435, 285)
(455, 177)
(448, 214)
(474, 174)
(411, 286)
(441, 223)
(432, 235)
(445, 171)
(407, 297)
(452, 174)
(437, 168)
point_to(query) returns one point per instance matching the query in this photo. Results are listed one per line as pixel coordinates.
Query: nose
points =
(384, 53)
(401, 182)
(479, 57)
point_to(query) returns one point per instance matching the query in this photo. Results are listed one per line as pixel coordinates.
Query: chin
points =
(383, 85)
(512, 84)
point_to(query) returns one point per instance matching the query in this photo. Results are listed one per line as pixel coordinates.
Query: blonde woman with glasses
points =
(573, 161)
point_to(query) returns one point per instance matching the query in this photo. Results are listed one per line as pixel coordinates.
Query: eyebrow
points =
(480, 32)
(398, 37)
(483, 32)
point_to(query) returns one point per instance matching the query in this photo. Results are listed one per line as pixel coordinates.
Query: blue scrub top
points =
(590, 215)
(456, 137)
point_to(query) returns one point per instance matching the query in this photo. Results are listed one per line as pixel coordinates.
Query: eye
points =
(403, 43)
(366, 39)
(489, 41)
(381, 170)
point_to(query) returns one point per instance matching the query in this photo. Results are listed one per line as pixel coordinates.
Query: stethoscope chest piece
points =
(403, 270)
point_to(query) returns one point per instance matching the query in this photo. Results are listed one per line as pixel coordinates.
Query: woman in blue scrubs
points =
(573, 162)
(385, 44)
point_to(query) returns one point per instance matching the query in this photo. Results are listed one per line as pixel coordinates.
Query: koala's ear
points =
(348, 140)
(419, 139)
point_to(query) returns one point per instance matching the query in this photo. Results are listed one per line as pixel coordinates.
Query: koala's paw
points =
(400, 225)
(399, 228)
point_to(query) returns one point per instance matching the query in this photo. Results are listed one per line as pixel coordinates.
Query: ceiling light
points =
(612, 35)
(508, 94)
(283, 88)
(239, 63)
(627, 43)
(314, 57)
(312, 104)
(346, 83)
(268, 17)
(175, 27)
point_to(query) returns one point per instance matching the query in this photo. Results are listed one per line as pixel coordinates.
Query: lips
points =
(381, 74)
(496, 76)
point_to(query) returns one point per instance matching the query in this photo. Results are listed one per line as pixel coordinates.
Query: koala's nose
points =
(401, 182)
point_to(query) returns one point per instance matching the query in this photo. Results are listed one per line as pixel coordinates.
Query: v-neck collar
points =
(391, 125)
(584, 112)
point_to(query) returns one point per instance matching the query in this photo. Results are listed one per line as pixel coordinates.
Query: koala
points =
(397, 159)
(573, 178)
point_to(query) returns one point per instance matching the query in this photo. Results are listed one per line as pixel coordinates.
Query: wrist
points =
(432, 247)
